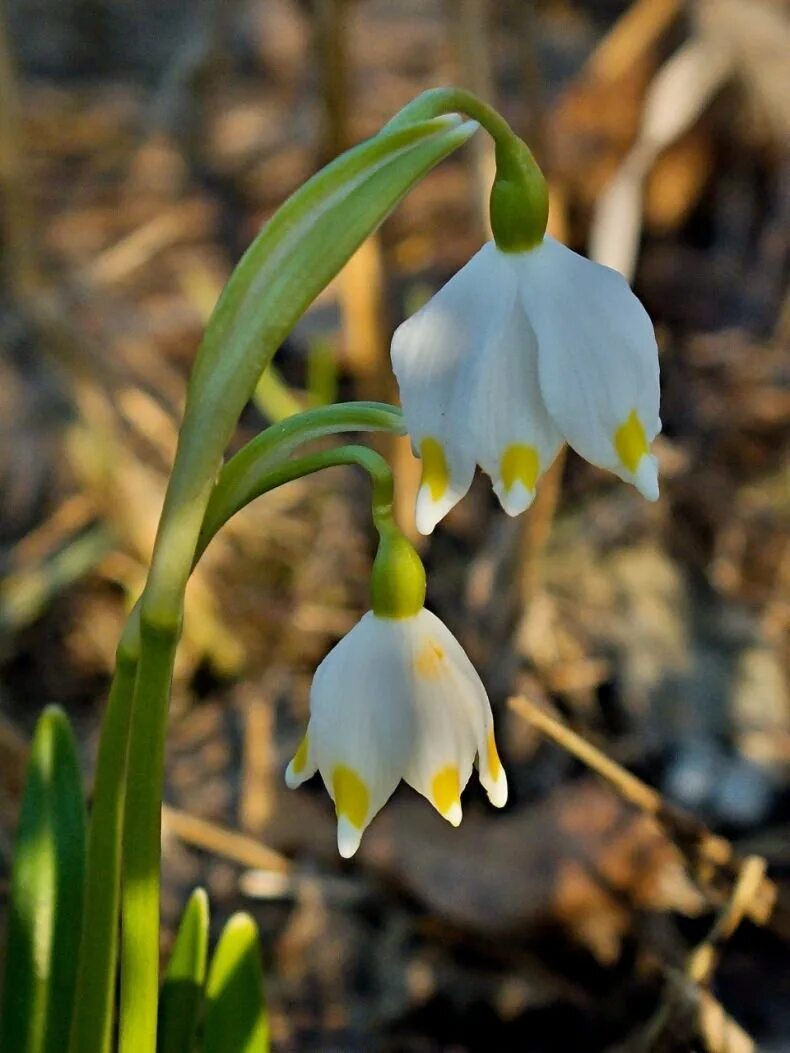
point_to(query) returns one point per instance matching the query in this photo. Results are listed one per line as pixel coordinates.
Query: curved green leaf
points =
(236, 1020)
(294, 257)
(181, 997)
(47, 889)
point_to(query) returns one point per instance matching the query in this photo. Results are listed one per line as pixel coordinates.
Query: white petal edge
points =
(294, 779)
(429, 352)
(514, 437)
(361, 715)
(597, 354)
(452, 717)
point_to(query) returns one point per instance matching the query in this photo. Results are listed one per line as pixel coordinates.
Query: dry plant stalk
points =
(228, 844)
(16, 221)
(687, 1006)
(710, 857)
(469, 22)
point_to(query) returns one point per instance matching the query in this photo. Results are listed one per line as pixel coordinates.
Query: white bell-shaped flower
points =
(396, 699)
(518, 353)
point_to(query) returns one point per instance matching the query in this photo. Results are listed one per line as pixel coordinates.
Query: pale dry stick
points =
(138, 248)
(331, 44)
(218, 840)
(690, 1013)
(748, 885)
(687, 999)
(708, 854)
(634, 34)
(73, 514)
(679, 93)
(362, 283)
(256, 791)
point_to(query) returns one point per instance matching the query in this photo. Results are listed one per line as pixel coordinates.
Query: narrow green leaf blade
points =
(236, 1020)
(181, 998)
(47, 890)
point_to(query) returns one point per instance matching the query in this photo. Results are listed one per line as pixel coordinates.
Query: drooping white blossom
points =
(516, 354)
(396, 699)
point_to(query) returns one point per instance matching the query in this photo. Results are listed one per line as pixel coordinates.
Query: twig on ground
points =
(229, 844)
(710, 857)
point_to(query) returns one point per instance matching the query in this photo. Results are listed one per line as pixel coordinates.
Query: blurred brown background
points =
(142, 145)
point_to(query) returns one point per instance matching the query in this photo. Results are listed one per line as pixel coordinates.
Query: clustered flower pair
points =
(517, 354)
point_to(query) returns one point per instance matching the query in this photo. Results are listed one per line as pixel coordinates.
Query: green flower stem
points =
(91, 1026)
(397, 583)
(261, 479)
(141, 836)
(238, 477)
(519, 196)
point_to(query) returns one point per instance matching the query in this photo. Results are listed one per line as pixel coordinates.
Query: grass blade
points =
(181, 998)
(236, 1019)
(47, 890)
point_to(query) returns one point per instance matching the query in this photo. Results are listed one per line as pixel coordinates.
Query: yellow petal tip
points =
(352, 799)
(446, 793)
(520, 463)
(630, 442)
(435, 472)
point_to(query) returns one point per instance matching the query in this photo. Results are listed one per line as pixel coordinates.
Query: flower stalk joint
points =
(519, 203)
(397, 582)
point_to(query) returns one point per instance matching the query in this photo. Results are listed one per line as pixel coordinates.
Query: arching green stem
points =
(238, 477)
(260, 479)
(519, 195)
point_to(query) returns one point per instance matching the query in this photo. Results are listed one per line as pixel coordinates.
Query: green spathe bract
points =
(47, 889)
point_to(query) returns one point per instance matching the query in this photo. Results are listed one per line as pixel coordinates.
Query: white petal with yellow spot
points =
(397, 698)
(428, 352)
(598, 360)
(516, 354)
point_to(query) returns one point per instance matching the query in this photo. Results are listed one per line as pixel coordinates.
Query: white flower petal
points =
(452, 720)
(446, 476)
(303, 765)
(361, 725)
(597, 358)
(428, 352)
(515, 439)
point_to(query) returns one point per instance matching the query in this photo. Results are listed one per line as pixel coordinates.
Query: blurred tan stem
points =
(16, 223)
(363, 281)
(536, 524)
(257, 774)
(469, 21)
